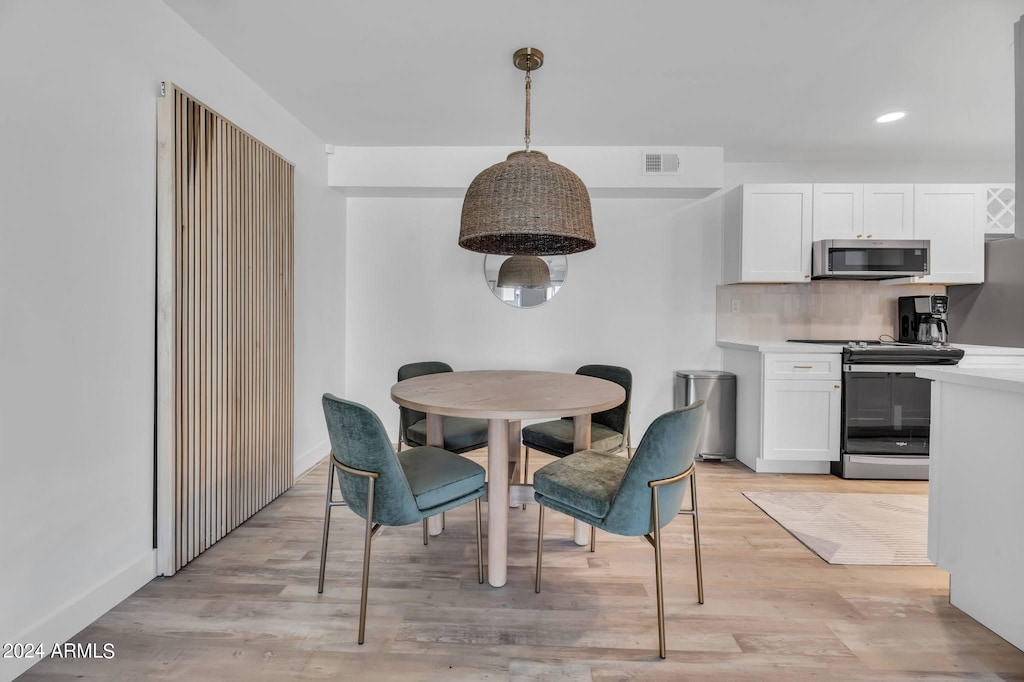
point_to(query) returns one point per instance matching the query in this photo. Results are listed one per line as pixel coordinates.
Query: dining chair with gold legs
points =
(609, 429)
(634, 497)
(461, 434)
(391, 489)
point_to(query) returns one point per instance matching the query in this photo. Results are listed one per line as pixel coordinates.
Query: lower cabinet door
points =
(802, 420)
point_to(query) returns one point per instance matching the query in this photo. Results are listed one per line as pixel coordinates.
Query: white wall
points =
(77, 234)
(606, 171)
(644, 299)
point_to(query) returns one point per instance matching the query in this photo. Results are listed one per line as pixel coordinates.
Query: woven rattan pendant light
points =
(530, 272)
(527, 205)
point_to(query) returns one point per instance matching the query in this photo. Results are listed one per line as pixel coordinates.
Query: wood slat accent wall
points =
(233, 206)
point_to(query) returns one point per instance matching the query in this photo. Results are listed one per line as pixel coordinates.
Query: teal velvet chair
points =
(635, 497)
(609, 430)
(461, 434)
(391, 489)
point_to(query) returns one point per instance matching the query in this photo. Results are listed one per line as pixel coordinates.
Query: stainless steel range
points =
(886, 409)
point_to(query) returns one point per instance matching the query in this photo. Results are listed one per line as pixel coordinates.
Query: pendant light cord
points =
(527, 136)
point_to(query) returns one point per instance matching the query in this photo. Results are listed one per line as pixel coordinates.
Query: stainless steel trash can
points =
(718, 391)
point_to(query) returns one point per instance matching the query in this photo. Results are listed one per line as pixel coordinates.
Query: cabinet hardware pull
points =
(836, 386)
(859, 236)
(803, 367)
(869, 236)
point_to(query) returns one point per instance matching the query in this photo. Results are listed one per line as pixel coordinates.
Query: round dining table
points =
(505, 398)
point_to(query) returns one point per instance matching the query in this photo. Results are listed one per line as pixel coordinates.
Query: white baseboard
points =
(69, 619)
(308, 460)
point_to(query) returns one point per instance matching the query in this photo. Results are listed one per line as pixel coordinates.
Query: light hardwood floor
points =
(248, 608)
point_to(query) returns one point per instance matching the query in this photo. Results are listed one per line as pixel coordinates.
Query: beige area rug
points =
(854, 528)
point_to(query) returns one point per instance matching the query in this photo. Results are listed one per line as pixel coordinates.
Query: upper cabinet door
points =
(953, 218)
(888, 211)
(776, 233)
(838, 212)
(1000, 209)
(863, 211)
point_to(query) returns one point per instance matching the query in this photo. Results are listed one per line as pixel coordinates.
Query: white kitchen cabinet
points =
(768, 234)
(889, 211)
(999, 210)
(802, 420)
(855, 211)
(952, 217)
(838, 212)
(788, 409)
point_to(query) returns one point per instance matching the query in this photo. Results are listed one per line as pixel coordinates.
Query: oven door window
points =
(886, 413)
(878, 260)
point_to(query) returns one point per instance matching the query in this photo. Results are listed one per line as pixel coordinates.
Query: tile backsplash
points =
(825, 309)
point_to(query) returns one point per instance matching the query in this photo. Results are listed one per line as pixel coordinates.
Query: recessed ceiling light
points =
(890, 117)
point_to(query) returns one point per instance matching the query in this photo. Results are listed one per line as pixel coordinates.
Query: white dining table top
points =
(507, 394)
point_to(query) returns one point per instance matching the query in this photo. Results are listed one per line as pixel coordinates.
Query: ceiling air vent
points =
(660, 164)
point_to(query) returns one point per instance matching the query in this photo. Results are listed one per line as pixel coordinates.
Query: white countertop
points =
(972, 349)
(996, 379)
(766, 346)
(782, 346)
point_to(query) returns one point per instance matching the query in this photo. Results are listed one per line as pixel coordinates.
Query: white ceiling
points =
(766, 79)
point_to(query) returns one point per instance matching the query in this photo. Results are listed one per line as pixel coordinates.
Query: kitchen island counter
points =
(975, 506)
(994, 378)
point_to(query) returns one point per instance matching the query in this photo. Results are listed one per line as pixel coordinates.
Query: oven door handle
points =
(884, 369)
(889, 460)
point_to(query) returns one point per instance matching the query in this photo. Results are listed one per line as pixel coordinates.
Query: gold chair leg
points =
(424, 532)
(593, 539)
(442, 520)
(655, 511)
(540, 546)
(327, 526)
(479, 545)
(696, 538)
(366, 558)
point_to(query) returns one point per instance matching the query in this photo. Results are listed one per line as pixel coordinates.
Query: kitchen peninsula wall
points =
(823, 309)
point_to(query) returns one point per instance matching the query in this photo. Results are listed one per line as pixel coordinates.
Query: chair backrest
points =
(407, 416)
(667, 449)
(359, 440)
(617, 418)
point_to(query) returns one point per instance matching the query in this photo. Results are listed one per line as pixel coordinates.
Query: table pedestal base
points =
(504, 454)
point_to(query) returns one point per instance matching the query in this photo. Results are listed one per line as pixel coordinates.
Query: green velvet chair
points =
(388, 488)
(609, 430)
(461, 434)
(635, 497)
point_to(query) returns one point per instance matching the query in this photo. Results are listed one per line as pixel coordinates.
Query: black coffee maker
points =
(922, 319)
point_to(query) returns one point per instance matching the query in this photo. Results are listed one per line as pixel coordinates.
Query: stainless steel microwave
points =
(869, 258)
